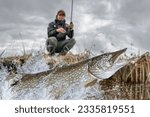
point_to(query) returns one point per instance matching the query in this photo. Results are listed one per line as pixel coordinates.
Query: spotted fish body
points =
(56, 81)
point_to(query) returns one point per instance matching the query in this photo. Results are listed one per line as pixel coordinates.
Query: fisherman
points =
(57, 32)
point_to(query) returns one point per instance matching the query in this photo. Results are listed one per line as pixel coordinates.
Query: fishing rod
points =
(2, 52)
(71, 12)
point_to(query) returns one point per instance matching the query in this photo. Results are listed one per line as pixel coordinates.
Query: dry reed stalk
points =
(130, 94)
(144, 73)
(129, 75)
(123, 74)
(140, 73)
(148, 94)
(148, 69)
(136, 92)
(141, 92)
(136, 74)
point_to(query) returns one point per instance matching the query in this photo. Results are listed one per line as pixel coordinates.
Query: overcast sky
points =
(100, 25)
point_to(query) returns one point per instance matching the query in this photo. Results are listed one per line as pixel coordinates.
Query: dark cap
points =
(61, 12)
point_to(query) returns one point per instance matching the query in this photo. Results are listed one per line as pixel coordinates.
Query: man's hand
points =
(71, 25)
(61, 30)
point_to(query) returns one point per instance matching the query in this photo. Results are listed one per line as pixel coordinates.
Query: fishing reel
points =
(70, 26)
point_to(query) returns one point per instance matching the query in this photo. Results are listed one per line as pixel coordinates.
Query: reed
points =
(137, 72)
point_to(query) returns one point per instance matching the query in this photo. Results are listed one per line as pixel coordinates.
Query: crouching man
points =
(57, 32)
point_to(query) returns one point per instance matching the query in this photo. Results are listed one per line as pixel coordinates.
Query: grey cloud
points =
(130, 21)
(134, 11)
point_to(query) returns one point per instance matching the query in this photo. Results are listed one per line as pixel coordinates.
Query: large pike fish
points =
(56, 81)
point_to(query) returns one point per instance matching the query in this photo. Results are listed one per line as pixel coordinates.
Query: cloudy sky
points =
(100, 25)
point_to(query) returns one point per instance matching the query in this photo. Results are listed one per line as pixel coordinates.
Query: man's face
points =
(61, 17)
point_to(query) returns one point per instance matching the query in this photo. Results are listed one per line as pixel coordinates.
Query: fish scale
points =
(60, 79)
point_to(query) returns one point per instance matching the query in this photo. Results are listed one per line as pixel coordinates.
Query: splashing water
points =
(68, 82)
